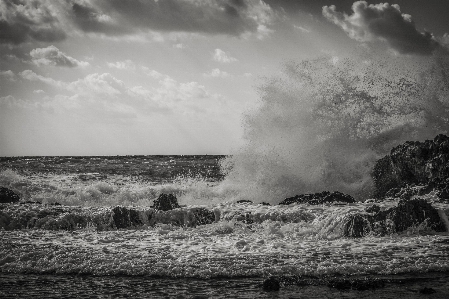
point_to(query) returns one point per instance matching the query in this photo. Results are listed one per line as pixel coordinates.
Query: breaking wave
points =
(323, 123)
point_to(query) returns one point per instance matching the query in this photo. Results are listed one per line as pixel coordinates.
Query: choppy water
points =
(74, 249)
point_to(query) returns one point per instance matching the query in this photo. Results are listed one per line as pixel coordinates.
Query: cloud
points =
(217, 73)
(54, 57)
(302, 29)
(98, 90)
(179, 46)
(32, 76)
(383, 22)
(9, 75)
(123, 65)
(23, 20)
(221, 56)
(117, 17)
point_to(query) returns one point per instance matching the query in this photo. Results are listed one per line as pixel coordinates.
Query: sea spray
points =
(323, 123)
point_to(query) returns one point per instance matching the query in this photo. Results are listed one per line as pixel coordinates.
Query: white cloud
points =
(38, 91)
(217, 73)
(32, 76)
(179, 46)
(222, 56)
(54, 57)
(123, 65)
(302, 29)
(9, 75)
(382, 22)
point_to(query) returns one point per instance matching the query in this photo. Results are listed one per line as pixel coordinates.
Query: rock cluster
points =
(166, 202)
(51, 217)
(319, 198)
(126, 217)
(407, 214)
(421, 164)
(8, 196)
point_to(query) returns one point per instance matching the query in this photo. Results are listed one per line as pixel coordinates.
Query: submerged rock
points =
(407, 214)
(126, 217)
(423, 164)
(166, 202)
(319, 198)
(271, 284)
(8, 196)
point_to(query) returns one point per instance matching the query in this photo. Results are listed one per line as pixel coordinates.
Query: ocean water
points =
(169, 256)
(319, 126)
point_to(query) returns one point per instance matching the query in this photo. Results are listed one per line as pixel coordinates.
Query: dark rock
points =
(271, 284)
(265, 204)
(244, 201)
(5, 220)
(356, 284)
(427, 291)
(203, 216)
(8, 196)
(357, 225)
(30, 202)
(414, 163)
(166, 202)
(408, 213)
(125, 218)
(319, 198)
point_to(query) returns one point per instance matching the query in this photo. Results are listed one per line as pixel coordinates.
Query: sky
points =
(113, 77)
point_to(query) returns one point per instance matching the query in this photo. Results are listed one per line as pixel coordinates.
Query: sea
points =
(170, 258)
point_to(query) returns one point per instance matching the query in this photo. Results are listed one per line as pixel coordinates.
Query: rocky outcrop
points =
(126, 217)
(319, 198)
(422, 164)
(407, 214)
(166, 202)
(8, 196)
(202, 216)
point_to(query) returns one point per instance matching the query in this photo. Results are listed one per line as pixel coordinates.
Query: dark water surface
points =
(432, 285)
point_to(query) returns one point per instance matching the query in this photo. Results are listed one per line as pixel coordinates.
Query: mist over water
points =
(321, 124)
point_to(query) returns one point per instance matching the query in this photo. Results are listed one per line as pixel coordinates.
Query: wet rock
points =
(244, 201)
(427, 291)
(357, 225)
(407, 214)
(5, 220)
(203, 216)
(319, 198)
(166, 202)
(30, 202)
(8, 196)
(356, 284)
(271, 284)
(125, 217)
(414, 163)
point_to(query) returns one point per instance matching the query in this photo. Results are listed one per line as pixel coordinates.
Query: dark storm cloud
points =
(48, 21)
(116, 17)
(383, 22)
(22, 21)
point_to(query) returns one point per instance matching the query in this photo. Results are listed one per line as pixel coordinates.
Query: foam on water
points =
(279, 241)
(322, 124)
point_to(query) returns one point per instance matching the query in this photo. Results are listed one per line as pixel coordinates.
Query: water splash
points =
(323, 123)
